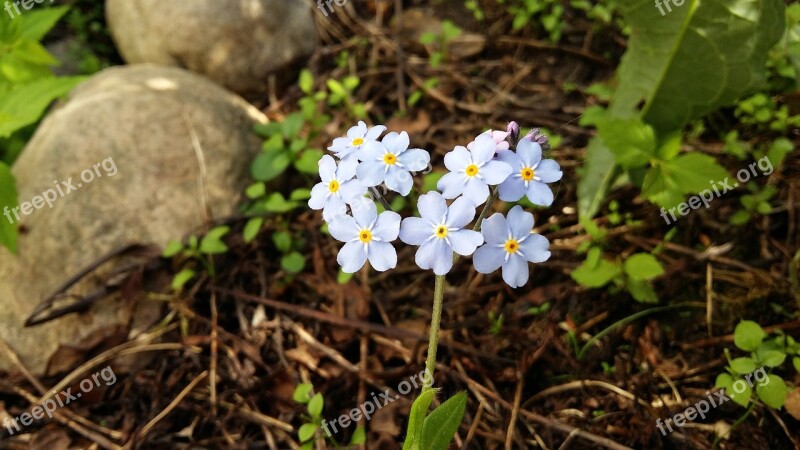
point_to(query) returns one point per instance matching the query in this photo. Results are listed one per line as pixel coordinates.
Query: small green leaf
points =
(359, 436)
(300, 194)
(632, 142)
(315, 405)
(641, 291)
(252, 228)
(268, 166)
(772, 358)
(743, 366)
(211, 244)
(692, 172)
(302, 392)
(337, 88)
(173, 248)
(796, 363)
(256, 190)
(772, 391)
(292, 125)
(643, 266)
(276, 203)
(740, 396)
(442, 424)
(182, 278)
(293, 262)
(748, 335)
(37, 23)
(343, 277)
(8, 199)
(306, 81)
(416, 420)
(308, 162)
(282, 241)
(598, 274)
(307, 431)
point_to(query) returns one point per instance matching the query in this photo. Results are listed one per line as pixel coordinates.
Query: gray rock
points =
(235, 43)
(124, 138)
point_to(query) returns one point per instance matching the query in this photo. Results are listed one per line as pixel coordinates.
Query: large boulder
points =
(235, 43)
(150, 154)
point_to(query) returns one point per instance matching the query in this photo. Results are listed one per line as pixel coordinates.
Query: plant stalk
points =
(436, 320)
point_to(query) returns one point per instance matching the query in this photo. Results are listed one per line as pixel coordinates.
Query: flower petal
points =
(340, 144)
(357, 131)
(347, 167)
(529, 152)
(435, 254)
(432, 206)
(512, 189)
(399, 180)
(319, 196)
(374, 133)
(372, 151)
(495, 229)
(343, 228)
(510, 158)
(539, 193)
(334, 206)
(350, 190)
(382, 256)
(535, 248)
(516, 271)
(451, 184)
(461, 212)
(520, 222)
(366, 216)
(548, 171)
(415, 230)
(484, 149)
(352, 256)
(476, 190)
(387, 227)
(371, 172)
(464, 242)
(327, 168)
(488, 258)
(458, 159)
(398, 144)
(495, 172)
(415, 159)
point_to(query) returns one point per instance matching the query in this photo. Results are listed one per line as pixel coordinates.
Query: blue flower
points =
(471, 172)
(530, 173)
(439, 232)
(337, 188)
(391, 161)
(367, 236)
(348, 149)
(510, 244)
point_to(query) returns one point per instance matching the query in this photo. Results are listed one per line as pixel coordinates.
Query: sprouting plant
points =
(437, 43)
(757, 202)
(417, 94)
(199, 251)
(312, 429)
(765, 354)
(341, 94)
(494, 165)
(546, 12)
(495, 322)
(764, 112)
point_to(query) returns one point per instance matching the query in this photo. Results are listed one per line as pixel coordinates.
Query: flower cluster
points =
(495, 164)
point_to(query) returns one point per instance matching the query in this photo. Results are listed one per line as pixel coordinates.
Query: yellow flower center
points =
(390, 159)
(441, 231)
(365, 236)
(472, 170)
(333, 186)
(357, 141)
(512, 246)
(527, 173)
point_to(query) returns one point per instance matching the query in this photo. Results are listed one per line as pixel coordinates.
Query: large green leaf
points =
(595, 177)
(690, 61)
(36, 23)
(8, 199)
(416, 420)
(25, 104)
(441, 425)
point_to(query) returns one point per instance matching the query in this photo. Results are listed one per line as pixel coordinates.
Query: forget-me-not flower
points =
(510, 244)
(348, 149)
(390, 161)
(498, 136)
(439, 231)
(337, 188)
(529, 174)
(471, 172)
(367, 236)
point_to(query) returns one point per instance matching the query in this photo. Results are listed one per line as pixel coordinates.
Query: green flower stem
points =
(436, 319)
(486, 208)
(380, 198)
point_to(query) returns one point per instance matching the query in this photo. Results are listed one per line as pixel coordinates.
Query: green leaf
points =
(252, 228)
(300, 194)
(726, 381)
(442, 424)
(211, 243)
(306, 81)
(25, 104)
(293, 262)
(343, 277)
(595, 177)
(275, 142)
(694, 59)
(268, 166)
(770, 357)
(292, 125)
(282, 241)
(359, 436)
(743, 366)
(772, 391)
(596, 271)
(256, 190)
(693, 172)
(36, 23)
(632, 142)
(309, 161)
(33, 52)
(276, 203)
(748, 335)
(302, 393)
(778, 151)
(641, 291)
(416, 420)
(307, 431)
(173, 248)
(315, 405)
(796, 363)
(337, 88)
(643, 266)
(8, 198)
(182, 278)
